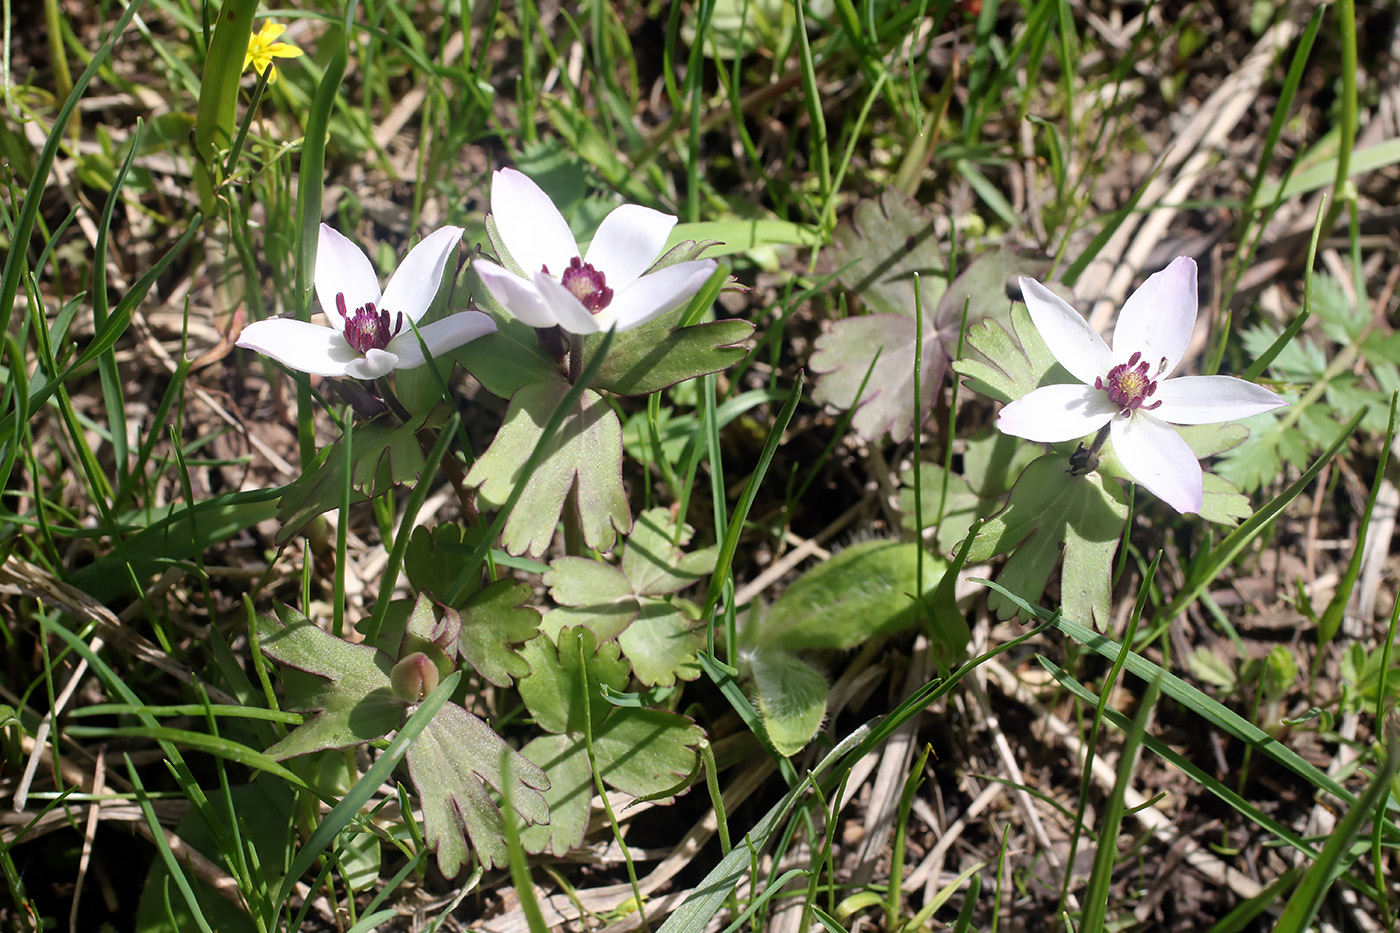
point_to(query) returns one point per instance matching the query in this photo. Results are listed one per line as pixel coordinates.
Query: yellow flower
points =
(263, 47)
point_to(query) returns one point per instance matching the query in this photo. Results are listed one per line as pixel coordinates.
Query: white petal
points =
(1056, 413)
(1208, 399)
(342, 268)
(441, 337)
(301, 345)
(565, 307)
(417, 279)
(1156, 457)
(627, 243)
(1158, 318)
(372, 365)
(531, 226)
(655, 294)
(516, 295)
(1071, 340)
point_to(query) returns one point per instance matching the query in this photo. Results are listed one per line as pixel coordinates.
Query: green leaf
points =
(1271, 444)
(866, 590)
(664, 642)
(565, 759)
(450, 764)
(1208, 666)
(657, 354)
(1049, 510)
(590, 593)
(352, 699)
(645, 752)
(385, 455)
(1010, 367)
(586, 451)
(508, 360)
(434, 557)
(990, 466)
(1222, 503)
(1299, 361)
(495, 622)
(791, 697)
(1341, 322)
(653, 560)
(553, 692)
(265, 816)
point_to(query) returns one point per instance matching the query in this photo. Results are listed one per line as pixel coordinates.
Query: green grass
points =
(158, 198)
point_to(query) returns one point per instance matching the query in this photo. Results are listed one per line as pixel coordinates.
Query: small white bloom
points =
(1126, 387)
(583, 293)
(369, 335)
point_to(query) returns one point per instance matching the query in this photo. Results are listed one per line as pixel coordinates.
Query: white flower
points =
(369, 335)
(584, 293)
(1125, 388)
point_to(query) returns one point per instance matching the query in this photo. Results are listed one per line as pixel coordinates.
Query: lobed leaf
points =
(586, 453)
(451, 764)
(1050, 510)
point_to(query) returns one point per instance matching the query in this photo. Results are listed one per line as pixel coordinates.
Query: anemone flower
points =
(369, 336)
(1124, 391)
(583, 293)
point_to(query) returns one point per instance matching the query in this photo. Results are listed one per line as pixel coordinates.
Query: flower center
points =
(587, 285)
(1129, 386)
(367, 328)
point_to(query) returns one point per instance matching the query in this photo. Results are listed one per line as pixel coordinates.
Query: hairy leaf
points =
(590, 593)
(664, 642)
(866, 590)
(1050, 510)
(351, 697)
(451, 764)
(586, 451)
(653, 560)
(496, 622)
(791, 698)
(657, 354)
(554, 690)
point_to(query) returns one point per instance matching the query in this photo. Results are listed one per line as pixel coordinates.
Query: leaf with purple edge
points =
(496, 624)
(451, 764)
(349, 696)
(586, 451)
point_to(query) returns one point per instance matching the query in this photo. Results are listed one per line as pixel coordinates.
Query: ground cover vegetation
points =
(842, 465)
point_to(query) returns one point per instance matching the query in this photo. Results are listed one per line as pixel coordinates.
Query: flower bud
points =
(414, 677)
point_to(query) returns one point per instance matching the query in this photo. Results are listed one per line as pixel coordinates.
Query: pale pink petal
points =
(1158, 318)
(1157, 458)
(565, 307)
(655, 294)
(1056, 413)
(417, 279)
(441, 337)
(342, 268)
(1208, 399)
(516, 295)
(1076, 345)
(533, 230)
(627, 243)
(372, 365)
(300, 345)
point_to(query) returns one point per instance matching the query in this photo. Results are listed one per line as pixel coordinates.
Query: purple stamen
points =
(367, 328)
(1129, 386)
(587, 284)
